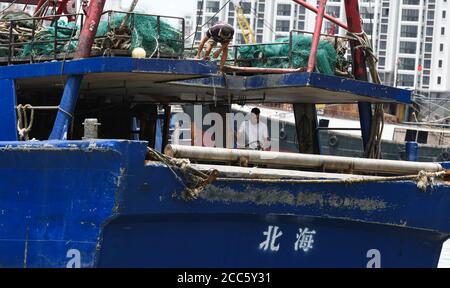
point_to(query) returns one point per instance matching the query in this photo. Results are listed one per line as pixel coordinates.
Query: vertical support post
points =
(183, 31)
(306, 114)
(359, 67)
(148, 116)
(73, 84)
(316, 37)
(167, 116)
(87, 35)
(159, 135)
(306, 128)
(66, 108)
(290, 54)
(8, 117)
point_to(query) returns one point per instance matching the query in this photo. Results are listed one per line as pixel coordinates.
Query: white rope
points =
(23, 125)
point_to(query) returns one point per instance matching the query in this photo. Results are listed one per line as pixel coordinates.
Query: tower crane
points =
(244, 25)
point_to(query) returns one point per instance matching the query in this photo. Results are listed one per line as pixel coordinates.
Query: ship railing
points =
(18, 35)
(283, 60)
(21, 43)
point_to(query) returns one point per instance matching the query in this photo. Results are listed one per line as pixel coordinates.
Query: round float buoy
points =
(138, 53)
(283, 134)
(333, 141)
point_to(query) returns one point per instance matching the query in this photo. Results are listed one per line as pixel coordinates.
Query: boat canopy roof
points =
(172, 81)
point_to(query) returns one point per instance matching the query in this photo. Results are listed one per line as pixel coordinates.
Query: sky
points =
(178, 8)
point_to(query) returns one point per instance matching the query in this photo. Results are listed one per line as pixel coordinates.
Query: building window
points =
(407, 64)
(441, 47)
(334, 11)
(283, 25)
(443, 31)
(439, 80)
(440, 64)
(284, 10)
(408, 47)
(260, 22)
(212, 21)
(247, 7)
(444, 14)
(410, 15)
(408, 31)
(406, 80)
(261, 7)
(212, 6)
(411, 2)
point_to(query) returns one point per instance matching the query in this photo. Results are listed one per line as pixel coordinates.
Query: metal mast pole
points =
(359, 67)
(73, 84)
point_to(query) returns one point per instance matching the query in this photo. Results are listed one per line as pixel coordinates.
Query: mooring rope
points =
(373, 150)
(23, 125)
(194, 180)
(423, 179)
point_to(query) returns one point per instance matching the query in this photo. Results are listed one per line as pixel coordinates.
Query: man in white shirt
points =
(253, 134)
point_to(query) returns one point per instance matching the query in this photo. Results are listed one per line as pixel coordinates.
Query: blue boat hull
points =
(232, 241)
(97, 204)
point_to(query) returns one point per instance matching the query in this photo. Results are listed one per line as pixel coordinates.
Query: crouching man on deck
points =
(220, 33)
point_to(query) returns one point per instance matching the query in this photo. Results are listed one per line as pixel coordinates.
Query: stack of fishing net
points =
(21, 31)
(114, 32)
(139, 31)
(278, 56)
(58, 39)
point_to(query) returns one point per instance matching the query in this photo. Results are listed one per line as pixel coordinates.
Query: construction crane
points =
(247, 32)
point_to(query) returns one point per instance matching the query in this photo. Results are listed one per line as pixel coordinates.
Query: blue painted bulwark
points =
(8, 118)
(107, 65)
(97, 204)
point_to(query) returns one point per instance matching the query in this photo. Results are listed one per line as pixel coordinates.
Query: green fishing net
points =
(277, 55)
(58, 38)
(146, 34)
(140, 30)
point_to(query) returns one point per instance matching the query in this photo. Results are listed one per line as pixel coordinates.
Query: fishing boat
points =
(78, 189)
(342, 136)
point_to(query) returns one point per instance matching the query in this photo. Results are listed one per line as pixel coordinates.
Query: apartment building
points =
(410, 37)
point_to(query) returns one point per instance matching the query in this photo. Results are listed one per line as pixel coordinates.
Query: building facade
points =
(410, 37)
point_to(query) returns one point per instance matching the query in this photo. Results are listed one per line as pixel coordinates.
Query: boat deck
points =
(182, 81)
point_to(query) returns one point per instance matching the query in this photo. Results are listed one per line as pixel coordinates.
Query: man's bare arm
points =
(200, 47)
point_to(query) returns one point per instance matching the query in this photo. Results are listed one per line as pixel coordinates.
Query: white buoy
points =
(138, 53)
